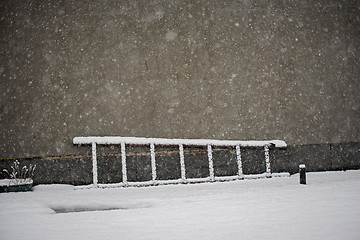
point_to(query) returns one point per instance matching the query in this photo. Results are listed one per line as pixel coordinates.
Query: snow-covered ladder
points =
(151, 142)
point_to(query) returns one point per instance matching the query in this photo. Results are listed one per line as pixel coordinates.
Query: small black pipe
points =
(302, 171)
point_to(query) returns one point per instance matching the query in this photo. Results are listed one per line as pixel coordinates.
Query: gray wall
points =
(178, 69)
(77, 170)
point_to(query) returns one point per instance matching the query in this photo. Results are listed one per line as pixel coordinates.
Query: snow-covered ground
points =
(328, 207)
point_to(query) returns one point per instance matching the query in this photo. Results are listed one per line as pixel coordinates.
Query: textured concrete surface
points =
(78, 169)
(177, 69)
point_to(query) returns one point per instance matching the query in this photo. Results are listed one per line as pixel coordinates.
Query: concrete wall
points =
(77, 170)
(177, 69)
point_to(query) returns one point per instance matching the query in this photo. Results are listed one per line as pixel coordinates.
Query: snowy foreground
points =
(279, 208)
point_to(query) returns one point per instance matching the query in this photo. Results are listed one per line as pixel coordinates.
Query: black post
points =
(302, 171)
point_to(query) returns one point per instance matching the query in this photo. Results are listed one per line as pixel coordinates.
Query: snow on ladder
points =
(151, 142)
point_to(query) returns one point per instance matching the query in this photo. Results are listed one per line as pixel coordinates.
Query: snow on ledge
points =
(15, 182)
(165, 141)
